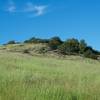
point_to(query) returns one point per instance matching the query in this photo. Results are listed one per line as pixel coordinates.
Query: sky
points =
(23, 19)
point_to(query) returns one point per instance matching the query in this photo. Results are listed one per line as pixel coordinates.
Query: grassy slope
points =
(24, 77)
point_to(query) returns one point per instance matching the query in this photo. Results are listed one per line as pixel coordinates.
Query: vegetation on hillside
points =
(25, 77)
(68, 47)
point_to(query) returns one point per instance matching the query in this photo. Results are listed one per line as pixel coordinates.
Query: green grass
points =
(24, 77)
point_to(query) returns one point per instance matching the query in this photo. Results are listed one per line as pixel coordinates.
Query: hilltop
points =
(53, 47)
(38, 71)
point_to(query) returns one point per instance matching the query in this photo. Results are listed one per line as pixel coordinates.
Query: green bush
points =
(90, 54)
(36, 40)
(26, 51)
(43, 50)
(82, 46)
(11, 42)
(71, 46)
(54, 43)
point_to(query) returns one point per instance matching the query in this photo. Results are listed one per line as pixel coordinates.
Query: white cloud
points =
(40, 10)
(36, 9)
(29, 8)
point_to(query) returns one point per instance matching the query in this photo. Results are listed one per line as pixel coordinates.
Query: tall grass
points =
(24, 77)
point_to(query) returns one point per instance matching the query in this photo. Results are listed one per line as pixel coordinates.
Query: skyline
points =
(23, 19)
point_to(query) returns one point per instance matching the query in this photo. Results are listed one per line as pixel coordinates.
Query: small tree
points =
(82, 46)
(54, 43)
(70, 46)
(89, 53)
(62, 49)
(11, 42)
(36, 40)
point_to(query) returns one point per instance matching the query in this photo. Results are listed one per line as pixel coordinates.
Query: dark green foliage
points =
(68, 47)
(54, 43)
(11, 42)
(62, 49)
(43, 50)
(71, 46)
(36, 40)
(89, 53)
(82, 46)
(26, 51)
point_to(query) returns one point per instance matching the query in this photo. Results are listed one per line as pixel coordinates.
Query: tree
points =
(11, 42)
(89, 53)
(54, 43)
(62, 49)
(82, 46)
(36, 40)
(70, 46)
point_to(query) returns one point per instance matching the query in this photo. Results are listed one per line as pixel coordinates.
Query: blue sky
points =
(22, 19)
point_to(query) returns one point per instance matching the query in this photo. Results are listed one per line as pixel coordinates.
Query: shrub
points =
(54, 43)
(62, 49)
(36, 40)
(90, 54)
(26, 51)
(71, 46)
(82, 46)
(43, 50)
(11, 42)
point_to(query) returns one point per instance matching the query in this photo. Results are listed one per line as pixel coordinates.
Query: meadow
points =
(25, 77)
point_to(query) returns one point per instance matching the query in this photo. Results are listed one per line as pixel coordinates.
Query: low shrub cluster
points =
(73, 47)
(68, 47)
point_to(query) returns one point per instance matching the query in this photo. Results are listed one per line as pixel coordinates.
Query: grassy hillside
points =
(25, 77)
